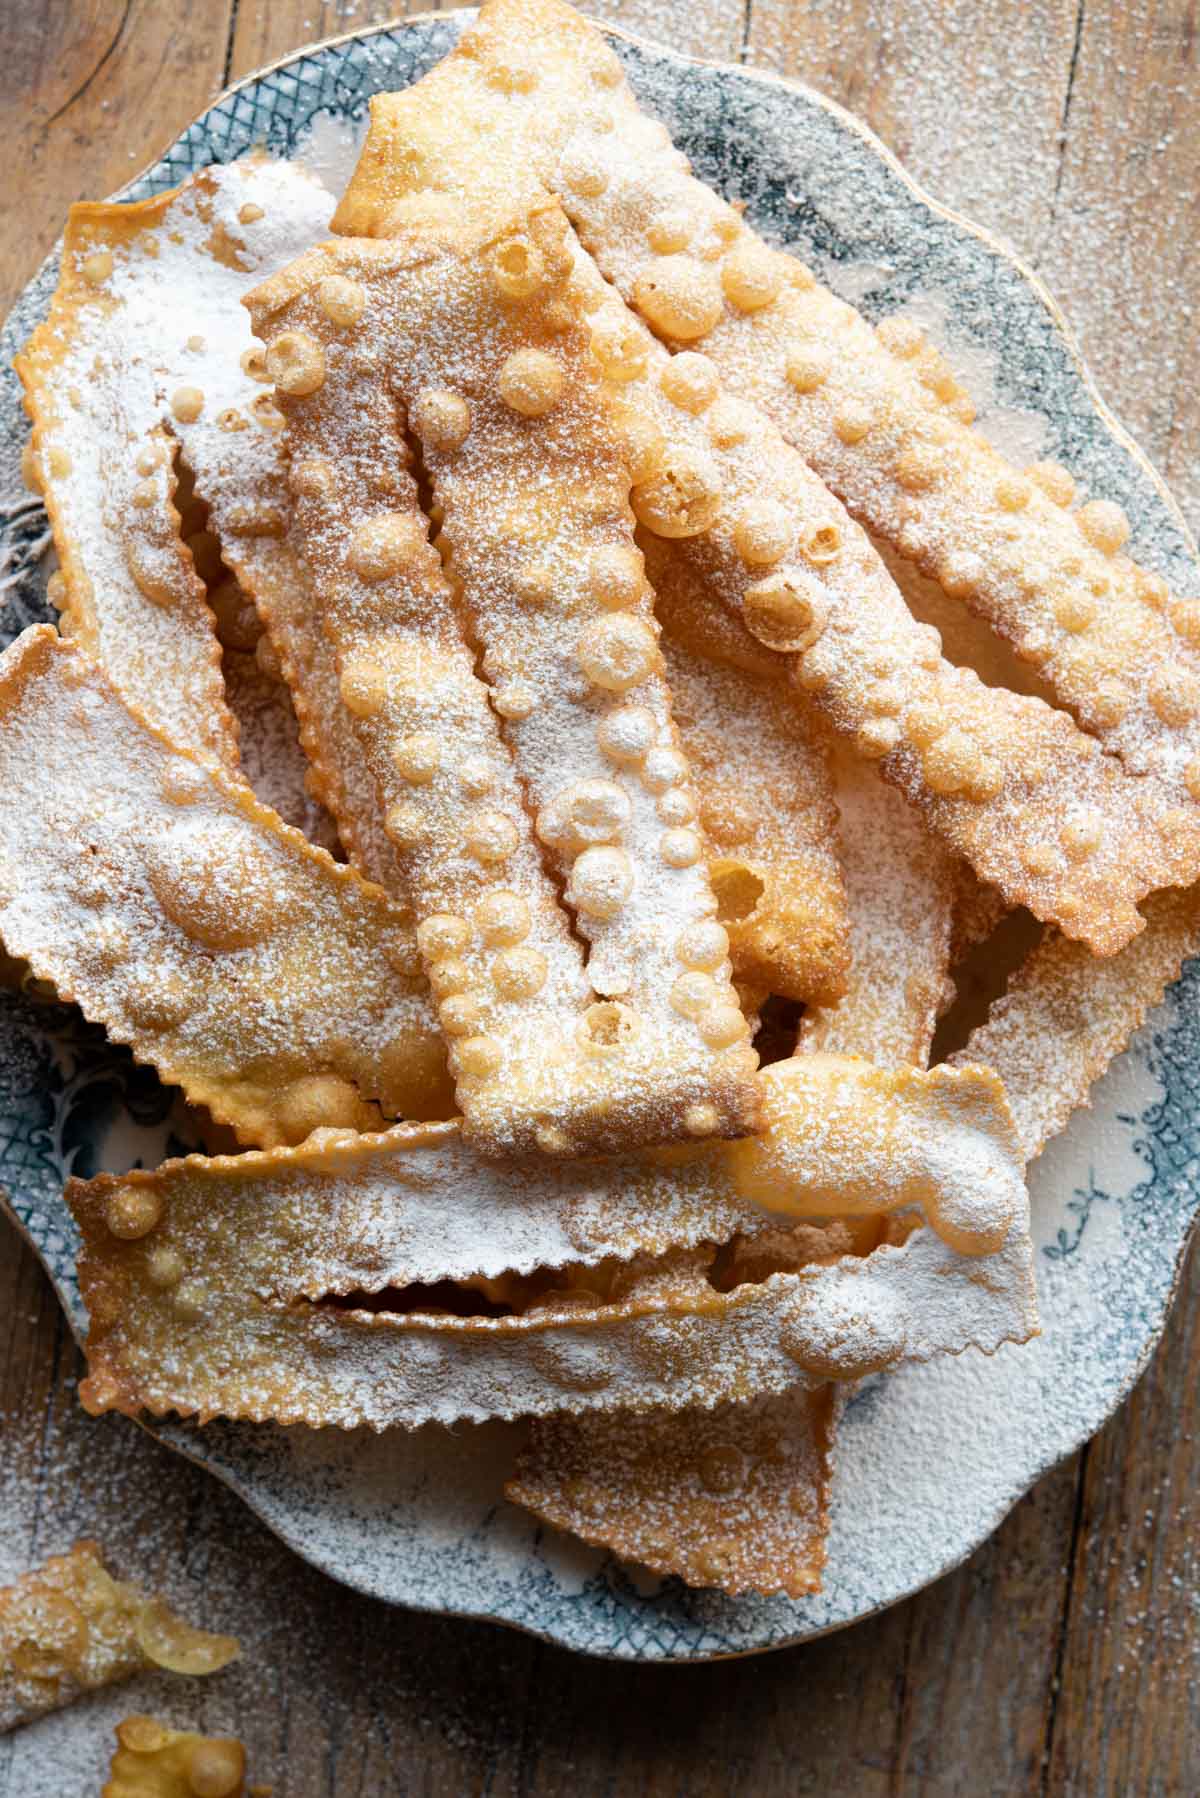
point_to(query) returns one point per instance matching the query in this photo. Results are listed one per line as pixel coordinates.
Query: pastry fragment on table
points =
(735, 1498)
(1065, 1016)
(152, 1760)
(876, 412)
(68, 1628)
(206, 1295)
(900, 887)
(274, 985)
(565, 767)
(1012, 785)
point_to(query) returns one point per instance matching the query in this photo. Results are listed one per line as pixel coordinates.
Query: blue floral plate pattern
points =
(930, 1459)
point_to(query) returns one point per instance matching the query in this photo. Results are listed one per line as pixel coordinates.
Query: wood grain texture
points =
(915, 72)
(90, 92)
(1081, 150)
(267, 29)
(1062, 1659)
(1119, 247)
(264, 30)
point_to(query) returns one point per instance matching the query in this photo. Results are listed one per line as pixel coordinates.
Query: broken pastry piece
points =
(572, 736)
(735, 1498)
(154, 1761)
(69, 1627)
(211, 1291)
(876, 412)
(1066, 1016)
(1013, 786)
(275, 986)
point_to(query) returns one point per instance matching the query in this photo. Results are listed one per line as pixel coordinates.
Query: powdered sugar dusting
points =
(1070, 1390)
(124, 865)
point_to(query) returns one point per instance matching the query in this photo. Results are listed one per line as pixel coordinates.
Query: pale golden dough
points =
(275, 986)
(845, 1138)
(875, 412)
(899, 882)
(735, 1498)
(1010, 784)
(1065, 1015)
(769, 818)
(68, 1628)
(164, 299)
(152, 1760)
(102, 461)
(645, 1042)
(270, 757)
(210, 1290)
(977, 909)
(418, 1205)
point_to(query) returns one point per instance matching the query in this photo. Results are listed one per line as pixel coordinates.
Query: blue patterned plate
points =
(929, 1460)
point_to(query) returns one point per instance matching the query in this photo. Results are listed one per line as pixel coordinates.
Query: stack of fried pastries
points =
(488, 762)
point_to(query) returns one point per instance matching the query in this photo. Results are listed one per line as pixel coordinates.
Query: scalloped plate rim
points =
(174, 1432)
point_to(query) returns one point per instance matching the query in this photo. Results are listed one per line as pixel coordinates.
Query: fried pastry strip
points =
(166, 279)
(210, 1344)
(103, 463)
(271, 760)
(285, 1287)
(1066, 1016)
(844, 1138)
(899, 880)
(153, 1761)
(875, 412)
(496, 374)
(767, 808)
(1013, 786)
(898, 877)
(275, 986)
(736, 1497)
(69, 1627)
(417, 1205)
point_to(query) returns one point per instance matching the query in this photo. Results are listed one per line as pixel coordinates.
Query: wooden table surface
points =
(1063, 1657)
